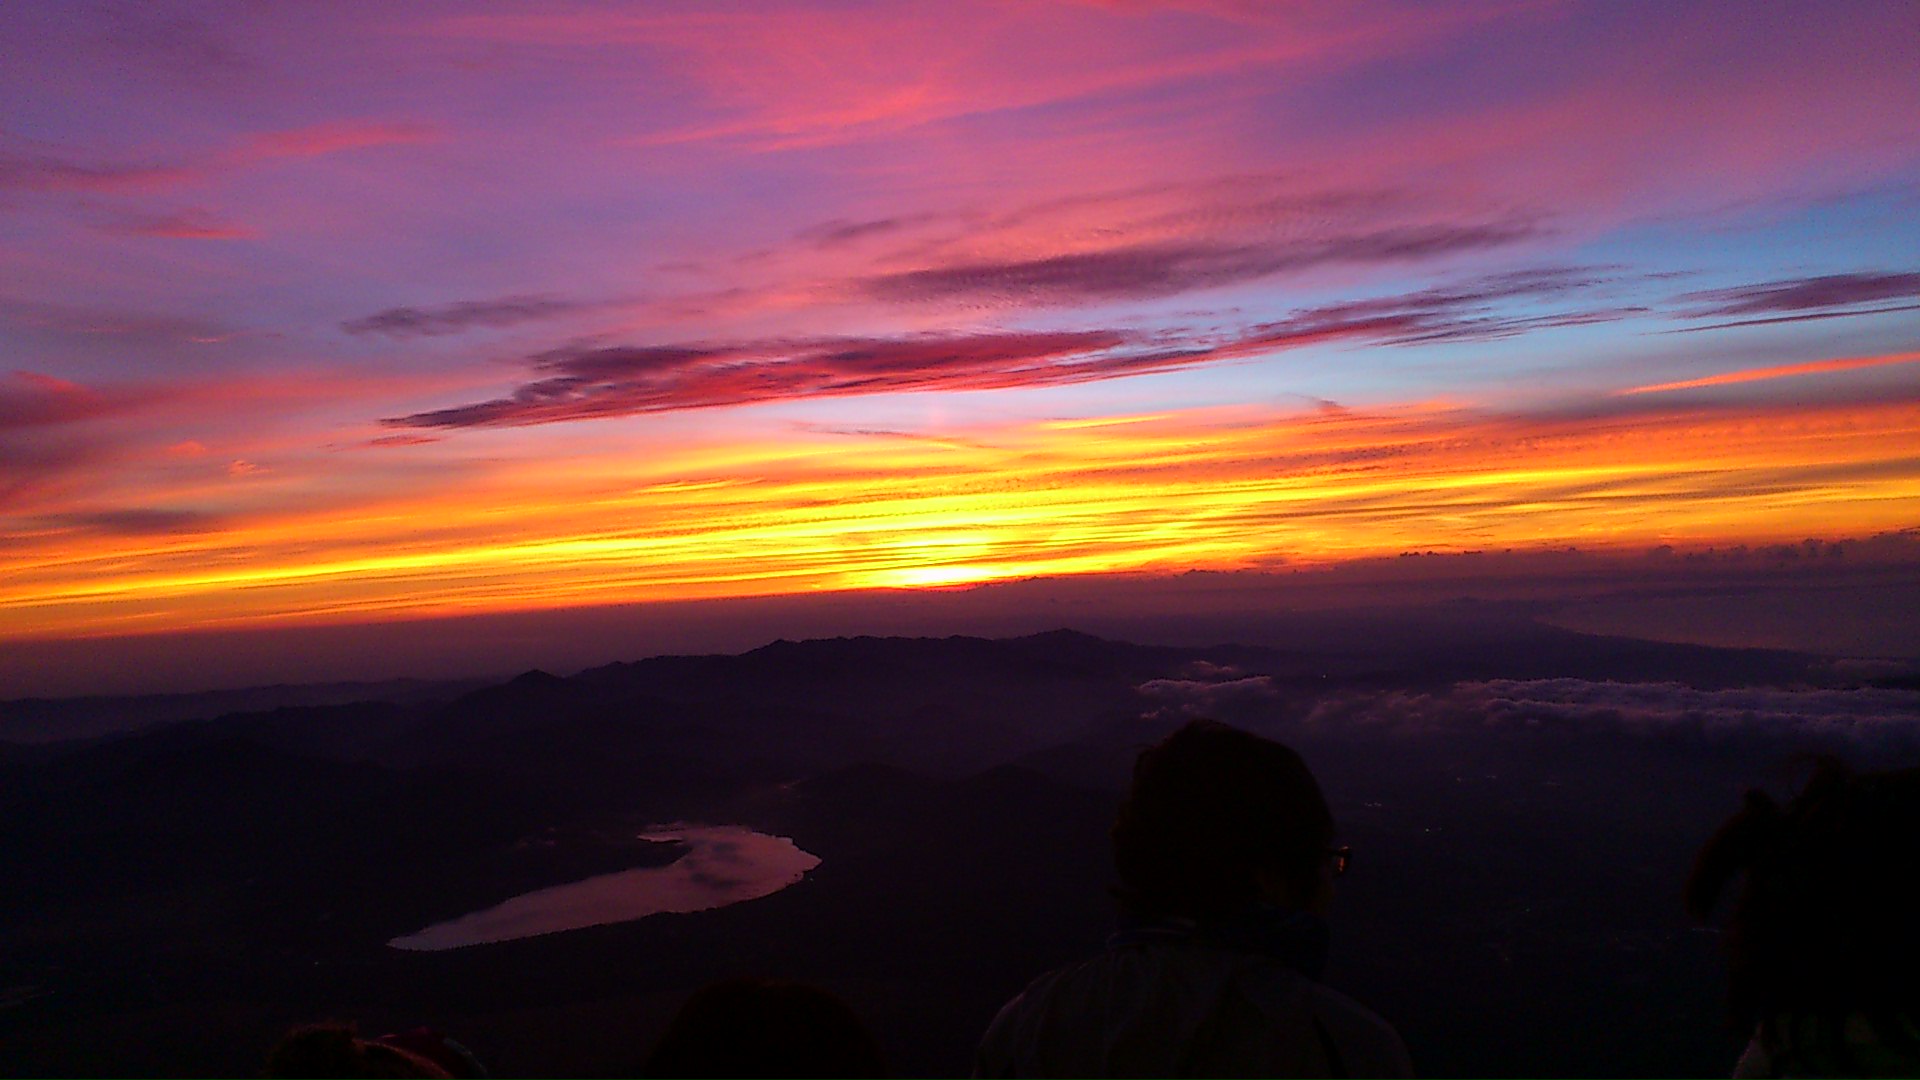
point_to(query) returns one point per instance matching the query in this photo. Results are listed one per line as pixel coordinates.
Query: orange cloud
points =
(821, 511)
(1778, 371)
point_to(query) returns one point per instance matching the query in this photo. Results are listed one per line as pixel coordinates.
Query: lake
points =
(723, 864)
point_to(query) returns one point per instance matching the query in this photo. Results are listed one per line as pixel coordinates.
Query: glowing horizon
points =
(532, 308)
(1223, 490)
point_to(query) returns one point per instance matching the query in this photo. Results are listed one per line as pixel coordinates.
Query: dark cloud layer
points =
(460, 317)
(1153, 270)
(37, 466)
(1806, 317)
(1444, 313)
(1794, 295)
(138, 521)
(45, 172)
(29, 399)
(583, 383)
(178, 225)
(623, 381)
(127, 328)
(840, 232)
(173, 47)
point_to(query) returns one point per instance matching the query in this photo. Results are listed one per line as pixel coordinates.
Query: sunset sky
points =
(325, 313)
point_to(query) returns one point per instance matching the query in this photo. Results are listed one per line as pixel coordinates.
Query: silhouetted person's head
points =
(1218, 820)
(1826, 924)
(765, 1027)
(333, 1050)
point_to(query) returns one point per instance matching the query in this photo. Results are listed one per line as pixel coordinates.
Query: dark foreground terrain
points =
(1523, 801)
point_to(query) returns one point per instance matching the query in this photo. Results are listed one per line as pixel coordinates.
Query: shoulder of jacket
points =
(1372, 1045)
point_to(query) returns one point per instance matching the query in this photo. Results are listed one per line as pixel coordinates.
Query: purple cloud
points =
(45, 172)
(620, 381)
(179, 225)
(1806, 294)
(585, 383)
(1152, 270)
(1815, 316)
(460, 317)
(29, 399)
(840, 232)
(1458, 312)
(172, 47)
(137, 521)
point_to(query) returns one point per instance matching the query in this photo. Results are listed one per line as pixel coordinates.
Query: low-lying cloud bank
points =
(1861, 721)
(1868, 719)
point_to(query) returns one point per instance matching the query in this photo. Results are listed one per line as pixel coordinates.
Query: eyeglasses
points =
(1341, 857)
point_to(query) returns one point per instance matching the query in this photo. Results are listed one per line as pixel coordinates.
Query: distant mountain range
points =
(43, 720)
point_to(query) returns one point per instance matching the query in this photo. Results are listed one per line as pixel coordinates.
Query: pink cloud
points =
(48, 172)
(31, 399)
(1708, 109)
(182, 225)
(67, 443)
(401, 322)
(793, 79)
(317, 140)
(47, 168)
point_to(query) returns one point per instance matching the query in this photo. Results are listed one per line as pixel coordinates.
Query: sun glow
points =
(1210, 489)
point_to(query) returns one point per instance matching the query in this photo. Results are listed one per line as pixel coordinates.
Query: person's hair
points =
(1825, 925)
(765, 1027)
(1210, 807)
(333, 1050)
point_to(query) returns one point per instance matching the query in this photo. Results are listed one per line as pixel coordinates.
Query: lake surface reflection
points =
(724, 864)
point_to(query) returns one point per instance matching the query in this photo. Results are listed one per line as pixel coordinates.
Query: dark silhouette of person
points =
(1224, 851)
(765, 1027)
(1823, 937)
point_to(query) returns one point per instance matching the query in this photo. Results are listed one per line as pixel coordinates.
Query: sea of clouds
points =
(1873, 721)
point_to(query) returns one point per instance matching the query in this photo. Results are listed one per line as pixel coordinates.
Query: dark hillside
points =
(1521, 836)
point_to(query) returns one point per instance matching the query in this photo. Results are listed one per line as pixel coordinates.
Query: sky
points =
(326, 315)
